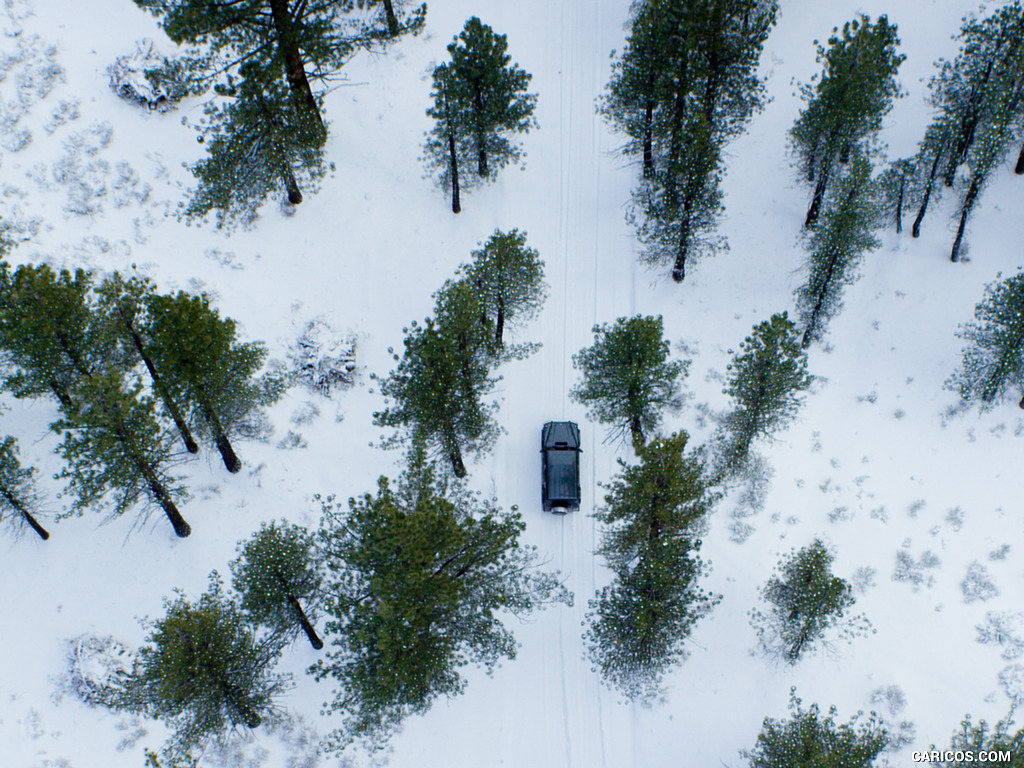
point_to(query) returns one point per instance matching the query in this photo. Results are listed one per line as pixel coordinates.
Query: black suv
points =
(560, 473)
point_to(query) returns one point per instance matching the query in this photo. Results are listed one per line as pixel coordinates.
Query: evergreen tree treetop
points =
(204, 672)
(766, 380)
(627, 376)
(809, 739)
(419, 574)
(276, 567)
(993, 362)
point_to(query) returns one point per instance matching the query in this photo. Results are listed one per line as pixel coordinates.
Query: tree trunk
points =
(965, 212)
(1019, 167)
(62, 396)
(158, 385)
(636, 431)
(287, 175)
(304, 621)
(679, 268)
(812, 324)
(916, 229)
(458, 466)
(295, 69)
(454, 159)
(181, 528)
(389, 12)
(481, 148)
(227, 453)
(899, 204)
(1021, 403)
(25, 514)
(819, 194)
(294, 193)
(649, 139)
(499, 323)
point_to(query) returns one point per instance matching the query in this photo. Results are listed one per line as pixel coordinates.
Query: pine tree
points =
(509, 277)
(417, 577)
(257, 145)
(493, 95)
(845, 107)
(808, 739)
(993, 363)
(447, 149)
(837, 244)
(437, 389)
(19, 501)
(51, 332)
(640, 622)
(898, 188)
(123, 303)
(204, 672)
(678, 207)
(686, 83)
(766, 380)
(975, 739)
(970, 93)
(204, 368)
(480, 103)
(806, 600)
(276, 568)
(114, 443)
(627, 376)
(987, 151)
(275, 128)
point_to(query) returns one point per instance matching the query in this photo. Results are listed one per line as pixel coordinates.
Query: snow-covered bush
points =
(1000, 629)
(977, 585)
(322, 360)
(99, 670)
(128, 78)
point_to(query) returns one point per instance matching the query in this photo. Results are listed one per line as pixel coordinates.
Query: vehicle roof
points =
(562, 476)
(560, 434)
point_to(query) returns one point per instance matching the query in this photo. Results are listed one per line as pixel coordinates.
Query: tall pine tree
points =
(845, 106)
(837, 245)
(993, 363)
(628, 377)
(205, 369)
(276, 569)
(274, 130)
(766, 380)
(640, 622)
(417, 577)
(19, 500)
(480, 104)
(509, 277)
(203, 672)
(809, 739)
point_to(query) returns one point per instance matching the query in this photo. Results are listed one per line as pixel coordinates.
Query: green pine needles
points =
(845, 106)
(837, 244)
(806, 600)
(260, 55)
(418, 574)
(480, 103)
(766, 380)
(685, 84)
(203, 672)
(807, 738)
(993, 361)
(277, 569)
(638, 625)
(628, 378)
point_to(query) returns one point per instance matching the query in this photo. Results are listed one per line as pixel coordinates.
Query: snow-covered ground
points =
(875, 463)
